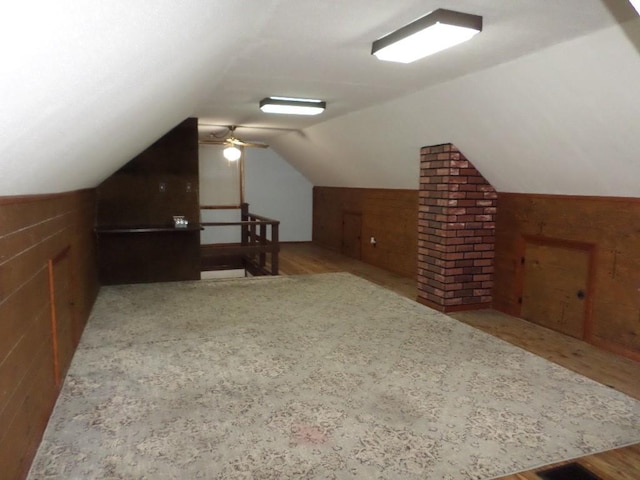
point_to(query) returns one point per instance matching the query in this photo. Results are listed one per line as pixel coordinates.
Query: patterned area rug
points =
(315, 377)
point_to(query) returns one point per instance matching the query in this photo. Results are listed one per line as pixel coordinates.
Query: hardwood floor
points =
(305, 258)
(617, 372)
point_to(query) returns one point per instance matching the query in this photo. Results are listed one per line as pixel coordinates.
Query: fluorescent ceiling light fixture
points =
(432, 33)
(292, 106)
(636, 5)
(232, 153)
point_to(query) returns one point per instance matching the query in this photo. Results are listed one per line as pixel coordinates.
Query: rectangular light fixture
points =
(292, 106)
(636, 5)
(432, 33)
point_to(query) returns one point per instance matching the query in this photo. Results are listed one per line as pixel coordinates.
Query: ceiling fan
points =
(233, 145)
(229, 139)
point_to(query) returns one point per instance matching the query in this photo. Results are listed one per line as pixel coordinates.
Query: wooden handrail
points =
(263, 219)
(247, 222)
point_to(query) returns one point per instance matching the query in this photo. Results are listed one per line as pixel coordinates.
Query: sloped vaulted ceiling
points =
(564, 120)
(87, 85)
(545, 100)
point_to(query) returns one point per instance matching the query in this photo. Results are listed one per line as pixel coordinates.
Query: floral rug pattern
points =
(311, 377)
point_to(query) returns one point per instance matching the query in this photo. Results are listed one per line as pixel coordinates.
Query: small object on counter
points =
(180, 222)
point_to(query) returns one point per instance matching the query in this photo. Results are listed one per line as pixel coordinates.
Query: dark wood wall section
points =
(603, 233)
(137, 202)
(46, 252)
(160, 182)
(390, 216)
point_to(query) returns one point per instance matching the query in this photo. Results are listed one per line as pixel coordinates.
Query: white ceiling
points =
(86, 85)
(321, 49)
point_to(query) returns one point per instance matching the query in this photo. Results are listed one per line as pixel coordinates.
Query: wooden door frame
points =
(64, 253)
(350, 212)
(588, 248)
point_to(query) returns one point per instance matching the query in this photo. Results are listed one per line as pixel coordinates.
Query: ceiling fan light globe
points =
(232, 153)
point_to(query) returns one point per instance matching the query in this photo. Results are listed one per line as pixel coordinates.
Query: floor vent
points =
(571, 471)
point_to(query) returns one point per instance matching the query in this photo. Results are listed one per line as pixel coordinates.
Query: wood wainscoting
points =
(345, 220)
(48, 283)
(544, 243)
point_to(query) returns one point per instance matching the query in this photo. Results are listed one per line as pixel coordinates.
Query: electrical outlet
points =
(189, 188)
(162, 186)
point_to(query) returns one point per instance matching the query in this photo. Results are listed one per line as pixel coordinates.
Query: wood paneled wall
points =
(156, 185)
(610, 227)
(391, 216)
(46, 242)
(147, 192)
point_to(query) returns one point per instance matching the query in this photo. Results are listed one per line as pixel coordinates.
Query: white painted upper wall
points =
(564, 120)
(274, 189)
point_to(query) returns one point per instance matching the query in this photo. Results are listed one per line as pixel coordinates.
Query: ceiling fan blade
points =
(233, 141)
(230, 140)
(242, 143)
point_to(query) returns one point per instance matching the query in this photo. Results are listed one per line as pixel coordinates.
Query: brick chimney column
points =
(456, 232)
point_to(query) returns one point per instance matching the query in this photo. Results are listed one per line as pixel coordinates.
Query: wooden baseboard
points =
(453, 308)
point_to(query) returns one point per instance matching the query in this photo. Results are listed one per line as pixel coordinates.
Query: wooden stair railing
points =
(258, 249)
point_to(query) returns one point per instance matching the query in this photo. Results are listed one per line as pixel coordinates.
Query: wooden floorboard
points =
(607, 368)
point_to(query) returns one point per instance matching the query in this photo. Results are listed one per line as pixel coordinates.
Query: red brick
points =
(481, 277)
(474, 193)
(456, 226)
(448, 287)
(464, 263)
(454, 180)
(460, 163)
(478, 180)
(453, 198)
(450, 302)
(458, 195)
(481, 291)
